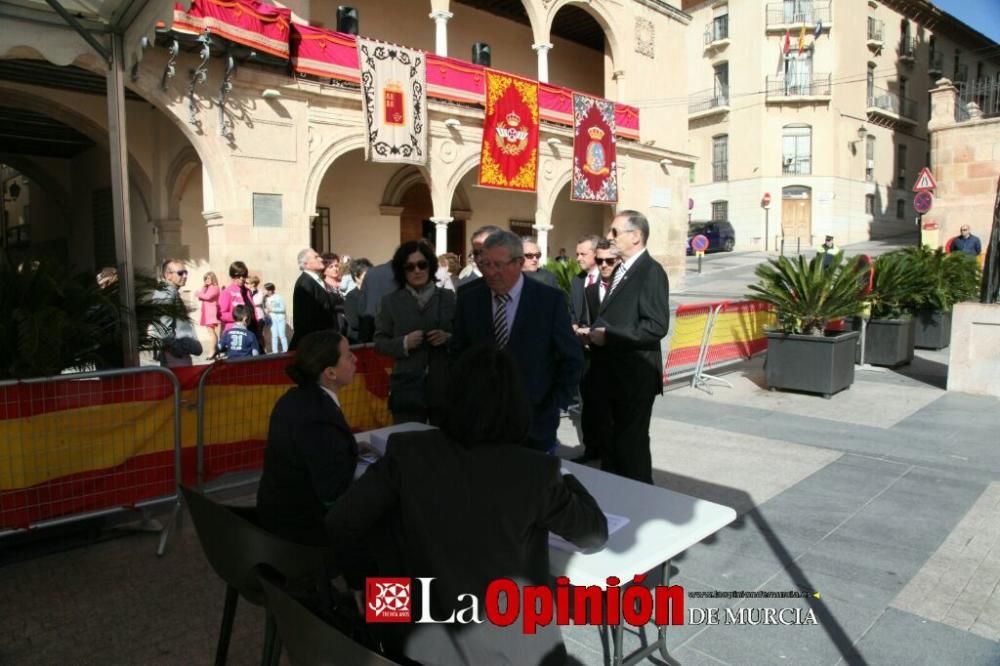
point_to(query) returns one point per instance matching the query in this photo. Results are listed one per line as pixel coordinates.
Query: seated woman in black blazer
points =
(311, 454)
(465, 505)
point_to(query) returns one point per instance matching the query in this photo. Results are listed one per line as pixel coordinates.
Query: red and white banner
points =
(595, 157)
(509, 158)
(394, 102)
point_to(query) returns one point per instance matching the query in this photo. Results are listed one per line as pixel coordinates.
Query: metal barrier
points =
(235, 399)
(84, 445)
(714, 335)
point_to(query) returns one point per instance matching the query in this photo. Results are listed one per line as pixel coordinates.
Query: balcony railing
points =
(884, 100)
(817, 85)
(907, 48)
(796, 13)
(935, 64)
(876, 29)
(984, 92)
(706, 100)
(796, 166)
(717, 30)
(720, 171)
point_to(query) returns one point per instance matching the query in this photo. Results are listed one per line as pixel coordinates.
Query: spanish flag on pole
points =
(787, 46)
(802, 38)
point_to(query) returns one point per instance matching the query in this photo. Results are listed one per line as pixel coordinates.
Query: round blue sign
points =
(699, 243)
(922, 201)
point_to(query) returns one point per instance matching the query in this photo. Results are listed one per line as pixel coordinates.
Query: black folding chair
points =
(309, 640)
(235, 546)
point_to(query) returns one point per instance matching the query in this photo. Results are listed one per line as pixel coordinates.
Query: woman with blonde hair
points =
(209, 297)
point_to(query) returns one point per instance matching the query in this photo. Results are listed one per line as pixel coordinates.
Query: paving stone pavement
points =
(891, 518)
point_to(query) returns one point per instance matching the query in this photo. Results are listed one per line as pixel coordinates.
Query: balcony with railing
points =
(783, 16)
(876, 33)
(907, 49)
(891, 106)
(805, 88)
(799, 165)
(935, 63)
(979, 99)
(708, 102)
(717, 32)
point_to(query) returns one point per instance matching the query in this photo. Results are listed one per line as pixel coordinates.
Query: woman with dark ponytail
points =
(311, 453)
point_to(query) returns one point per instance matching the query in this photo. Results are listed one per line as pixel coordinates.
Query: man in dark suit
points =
(312, 309)
(531, 321)
(625, 336)
(471, 272)
(532, 264)
(379, 282)
(586, 249)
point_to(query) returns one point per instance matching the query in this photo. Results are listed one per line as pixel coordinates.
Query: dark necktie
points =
(500, 331)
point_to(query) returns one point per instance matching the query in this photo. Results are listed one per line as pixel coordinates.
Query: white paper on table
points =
(615, 523)
(379, 438)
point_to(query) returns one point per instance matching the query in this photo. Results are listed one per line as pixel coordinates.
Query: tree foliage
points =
(564, 271)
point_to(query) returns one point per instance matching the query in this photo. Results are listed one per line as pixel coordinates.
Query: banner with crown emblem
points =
(394, 102)
(509, 158)
(595, 159)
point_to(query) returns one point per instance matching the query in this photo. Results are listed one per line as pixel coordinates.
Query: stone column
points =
(619, 76)
(944, 99)
(542, 229)
(441, 17)
(542, 49)
(440, 235)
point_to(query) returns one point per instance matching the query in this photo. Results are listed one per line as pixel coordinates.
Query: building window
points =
(798, 73)
(958, 59)
(870, 158)
(319, 232)
(720, 158)
(901, 166)
(900, 208)
(796, 150)
(720, 210)
(721, 83)
(870, 204)
(720, 23)
(871, 83)
(691, 174)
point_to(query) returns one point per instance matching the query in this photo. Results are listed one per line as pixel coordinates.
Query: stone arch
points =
(599, 13)
(18, 98)
(337, 148)
(178, 174)
(559, 180)
(536, 16)
(401, 182)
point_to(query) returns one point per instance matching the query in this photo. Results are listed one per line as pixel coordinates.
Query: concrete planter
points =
(933, 330)
(889, 342)
(823, 365)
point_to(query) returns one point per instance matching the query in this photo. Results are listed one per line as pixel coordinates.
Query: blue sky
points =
(983, 15)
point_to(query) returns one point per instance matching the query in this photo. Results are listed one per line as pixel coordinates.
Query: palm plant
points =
(806, 296)
(897, 281)
(564, 271)
(56, 321)
(945, 278)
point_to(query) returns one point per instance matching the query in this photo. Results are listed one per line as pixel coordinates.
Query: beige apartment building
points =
(205, 141)
(833, 126)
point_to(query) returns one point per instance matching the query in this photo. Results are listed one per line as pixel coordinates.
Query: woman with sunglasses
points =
(414, 327)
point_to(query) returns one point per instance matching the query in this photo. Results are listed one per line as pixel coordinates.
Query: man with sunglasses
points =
(632, 316)
(531, 321)
(532, 264)
(471, 272)
(178, 338)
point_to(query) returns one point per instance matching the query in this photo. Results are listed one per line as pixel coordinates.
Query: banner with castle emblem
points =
(394, 102)
(509, 158)
(595, 159)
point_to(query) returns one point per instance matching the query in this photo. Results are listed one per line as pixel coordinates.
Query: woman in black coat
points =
(465, 505)
(413, 326)
(311, 454)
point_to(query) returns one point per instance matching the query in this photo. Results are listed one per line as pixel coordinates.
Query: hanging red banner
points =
(595, 159)
(509, 158)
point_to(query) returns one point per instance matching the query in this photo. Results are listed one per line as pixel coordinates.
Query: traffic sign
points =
(922, 201)
(925, 181)
(765, 201)
(699, 243)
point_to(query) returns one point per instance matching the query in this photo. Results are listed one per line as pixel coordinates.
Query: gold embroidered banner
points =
(509, 158)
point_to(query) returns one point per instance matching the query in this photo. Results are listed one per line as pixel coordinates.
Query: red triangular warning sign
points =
(925, 181)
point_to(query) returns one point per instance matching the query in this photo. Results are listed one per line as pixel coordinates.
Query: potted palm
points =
(890, 330)
(947, 279)
(801, 354)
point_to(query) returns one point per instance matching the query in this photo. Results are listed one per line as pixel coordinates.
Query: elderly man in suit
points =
(624, 337)
(471, 272)
(312, 309)
(531, 321)
(532, 264)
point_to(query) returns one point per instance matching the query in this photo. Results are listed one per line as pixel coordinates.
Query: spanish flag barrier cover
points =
(595, 158)
(393, 102)
(509, 158)
(77, 446)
